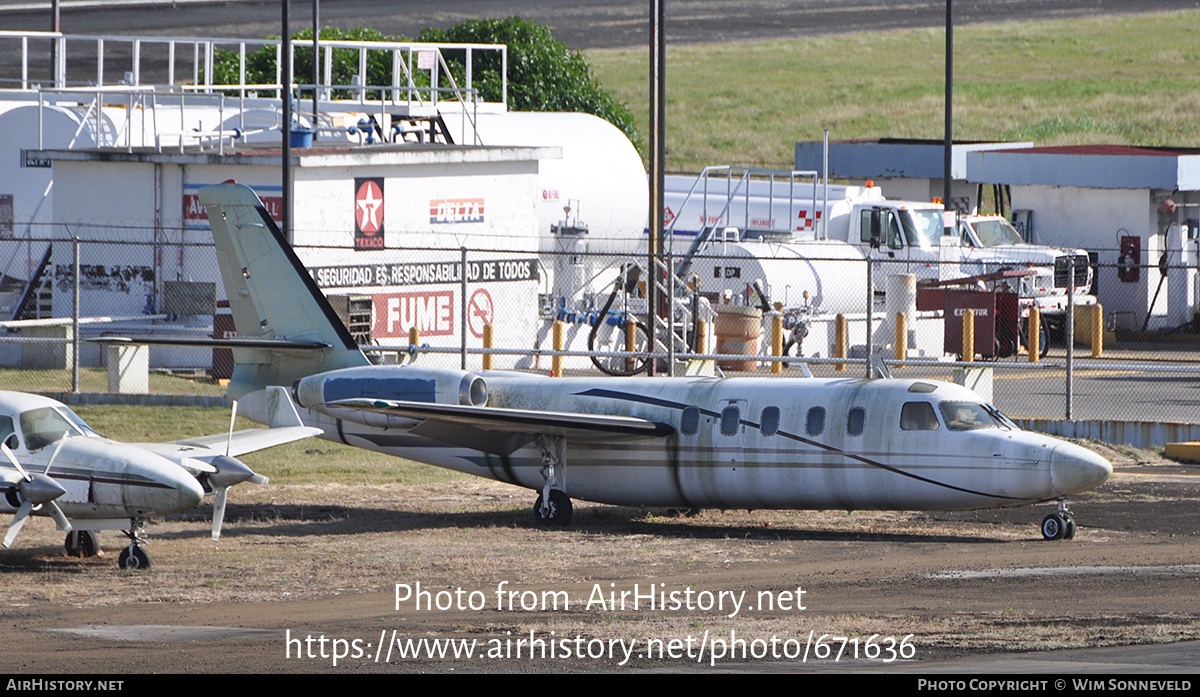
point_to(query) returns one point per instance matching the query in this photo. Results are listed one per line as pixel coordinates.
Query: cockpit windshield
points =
(923, 227)
(969, 416)
(41, 427)
(995, 232)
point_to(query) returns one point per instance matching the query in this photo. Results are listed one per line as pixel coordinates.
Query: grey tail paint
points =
(271, 295)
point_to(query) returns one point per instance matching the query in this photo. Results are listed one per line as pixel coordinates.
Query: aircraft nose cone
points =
(1074, 469)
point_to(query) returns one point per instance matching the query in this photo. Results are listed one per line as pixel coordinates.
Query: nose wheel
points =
(133, 556)
(1059, 525)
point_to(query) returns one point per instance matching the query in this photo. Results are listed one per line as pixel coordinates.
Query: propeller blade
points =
(232, 418)
(219, 511)
(8, 453)
(57, 514)
(18, 523)
(53, 455)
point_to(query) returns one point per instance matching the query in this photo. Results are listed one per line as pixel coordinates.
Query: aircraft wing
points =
(502, 431)
(249, 440)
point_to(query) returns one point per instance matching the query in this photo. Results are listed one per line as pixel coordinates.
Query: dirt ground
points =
(319, 566)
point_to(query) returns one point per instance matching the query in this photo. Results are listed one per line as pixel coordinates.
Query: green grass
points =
(96, 380)
(1120, 80)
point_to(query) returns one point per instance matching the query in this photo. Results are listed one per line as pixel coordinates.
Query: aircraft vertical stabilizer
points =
(271, 295)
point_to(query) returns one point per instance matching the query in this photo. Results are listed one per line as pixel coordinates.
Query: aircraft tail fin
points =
(271, 296)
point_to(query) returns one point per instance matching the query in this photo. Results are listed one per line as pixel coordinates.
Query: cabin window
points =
(816, 421)
(690, 423)
(918, 416)
(770, 421)
(855, 421)
(967, 416)
(7, 429)
(731, 418)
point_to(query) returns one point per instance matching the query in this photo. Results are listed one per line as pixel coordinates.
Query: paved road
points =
(582, 23)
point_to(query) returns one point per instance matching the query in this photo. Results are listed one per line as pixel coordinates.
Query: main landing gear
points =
(1059, 525)
(82, 543)
(133, 556)
(553, 506)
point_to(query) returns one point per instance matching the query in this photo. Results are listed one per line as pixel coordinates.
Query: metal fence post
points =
(1070, 332)
(463, 313)
(75, 318)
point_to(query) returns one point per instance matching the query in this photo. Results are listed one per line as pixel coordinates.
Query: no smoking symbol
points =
(479, 312)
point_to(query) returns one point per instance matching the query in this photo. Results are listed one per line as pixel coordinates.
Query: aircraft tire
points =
(82, 543)
(560, 511)
(1069, 533)
(133, 558)
(1054, 527)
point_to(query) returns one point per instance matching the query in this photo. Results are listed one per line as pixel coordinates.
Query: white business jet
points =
(692, 442)
(55, 465)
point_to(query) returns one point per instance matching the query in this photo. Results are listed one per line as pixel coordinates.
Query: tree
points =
(543, 73)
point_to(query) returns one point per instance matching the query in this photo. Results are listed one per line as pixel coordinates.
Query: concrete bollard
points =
(487, 344)
(556, 361)
(968, 342)
(1035, 334)
(776, 341)
(839, 341)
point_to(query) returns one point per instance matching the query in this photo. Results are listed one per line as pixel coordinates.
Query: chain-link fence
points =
(725, 302)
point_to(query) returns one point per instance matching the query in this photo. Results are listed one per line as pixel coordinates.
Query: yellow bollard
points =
(1097, 331)
(487, 344)
(1035, 334)
(839, 341)
(777, 342)
(701, 336)
(901, 338)
(968, 342)
(630, 342)
(556, 361)
(414, 336)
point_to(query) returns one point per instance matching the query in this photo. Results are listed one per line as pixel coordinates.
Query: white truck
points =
(725, 203)
(992, 243)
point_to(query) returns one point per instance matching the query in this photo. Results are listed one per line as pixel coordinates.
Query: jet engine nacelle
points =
(441, 386)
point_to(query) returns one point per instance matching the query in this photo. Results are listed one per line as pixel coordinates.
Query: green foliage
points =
(543, 73)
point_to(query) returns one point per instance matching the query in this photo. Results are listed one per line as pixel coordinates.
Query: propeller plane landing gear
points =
(1059, 525)
(553, 506)
(133, 556)
(82, 543)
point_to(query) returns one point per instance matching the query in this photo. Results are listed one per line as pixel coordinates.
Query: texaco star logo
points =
(368, 208)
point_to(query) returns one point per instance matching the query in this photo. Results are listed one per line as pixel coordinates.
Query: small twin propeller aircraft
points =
(692, 442)
(59, 467)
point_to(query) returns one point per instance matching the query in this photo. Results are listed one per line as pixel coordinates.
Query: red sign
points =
(432, 313)
(480, 311)
(368, 213)
(456, 210)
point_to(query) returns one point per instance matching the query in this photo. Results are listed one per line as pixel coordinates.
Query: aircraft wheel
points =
(559, 513)
(82, 543)
(133, 558)
(1070, 531)
(1054, 527)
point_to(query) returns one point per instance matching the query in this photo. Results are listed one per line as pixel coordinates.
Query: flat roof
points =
(323, 156)
(893, 158)
(1089, 166)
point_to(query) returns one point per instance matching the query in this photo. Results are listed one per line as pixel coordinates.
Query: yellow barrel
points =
(737, 330)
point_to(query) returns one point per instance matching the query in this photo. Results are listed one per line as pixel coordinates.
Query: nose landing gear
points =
(1059, 525)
